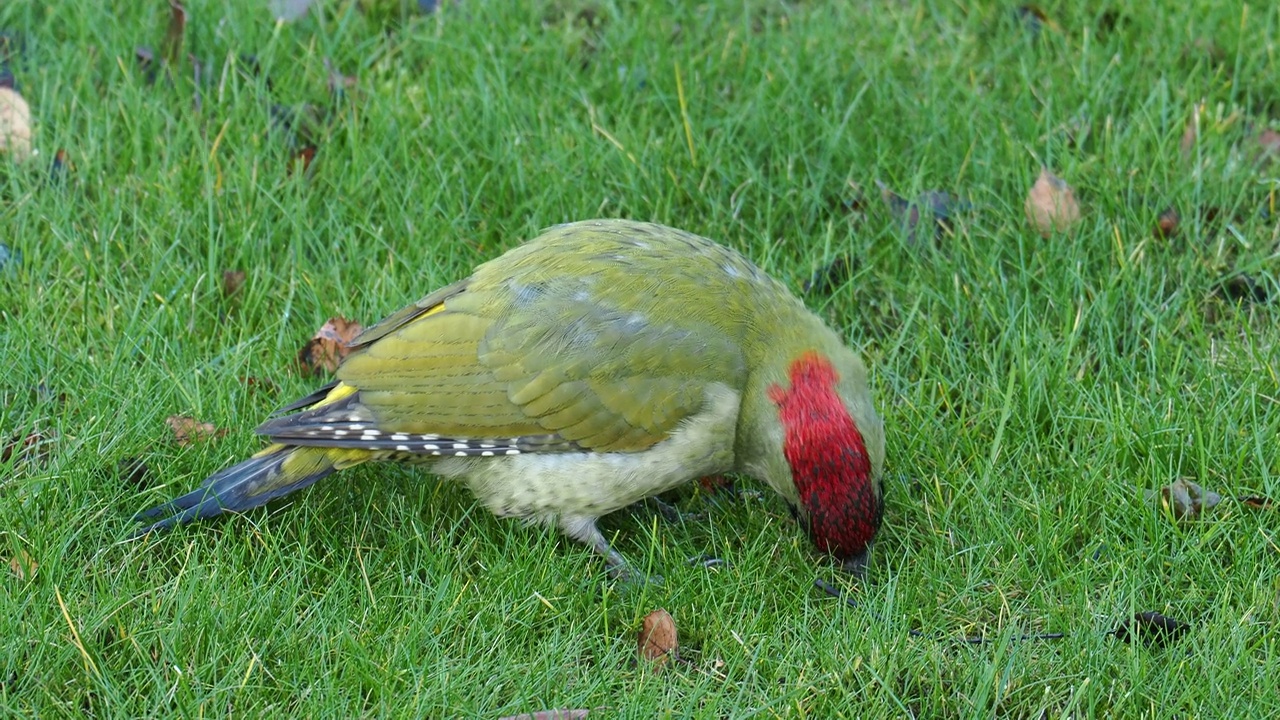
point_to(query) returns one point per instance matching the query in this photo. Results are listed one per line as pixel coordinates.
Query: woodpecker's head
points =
(832, 442)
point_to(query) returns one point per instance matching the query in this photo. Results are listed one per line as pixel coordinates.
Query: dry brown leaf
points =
(1167, 223)
(1051, 205)
(1150, 627)
(549, 715)
(23, 565)
(1192, 133)
(712, 484)
(1257, 502)
(1268, 145)
(187, 430)
(326, 349)
(33, 447)
(260, 385)
(231, 282)
(15, 125)
(657, 638)
(1183, 498)
(174, 33)
(134, 471)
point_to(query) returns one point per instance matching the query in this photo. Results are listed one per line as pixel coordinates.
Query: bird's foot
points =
(623, 574)
(708, 561)
(672, 514)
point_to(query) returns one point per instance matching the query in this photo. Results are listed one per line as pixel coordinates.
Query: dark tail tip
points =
(241, 487)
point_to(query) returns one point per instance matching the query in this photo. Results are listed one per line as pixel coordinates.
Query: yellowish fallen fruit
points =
(1051, 205)
(657, 639)
(15, 125)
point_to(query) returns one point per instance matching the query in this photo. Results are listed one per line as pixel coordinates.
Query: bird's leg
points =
(670, 512)
(583, 529)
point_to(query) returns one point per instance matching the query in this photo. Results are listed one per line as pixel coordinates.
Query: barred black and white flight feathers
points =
(347, 424)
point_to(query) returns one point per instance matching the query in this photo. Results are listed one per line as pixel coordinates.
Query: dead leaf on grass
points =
(550, 715)
(1167, 223)
(936, 210)
(29, 447)
(1192, 132)
(23, 565)
(133, 471)
(1185, 499)
(826, 279)
(174, 33)
(1151, 628)
(15, 125)
(260, 385)
(1243, 288)
(1051, 205)
(232, 280)
(326, 349)
(1257, 502)
(187, 430)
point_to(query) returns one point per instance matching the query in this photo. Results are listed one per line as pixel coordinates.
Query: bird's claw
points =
(707, 561)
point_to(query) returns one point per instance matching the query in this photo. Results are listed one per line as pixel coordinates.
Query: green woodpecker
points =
(602, 363)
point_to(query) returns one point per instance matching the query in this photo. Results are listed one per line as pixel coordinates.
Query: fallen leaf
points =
(1268, 145)
(1242, 288)
(1151, 628)
(198, 74)
(133, 471)
(304, 157)
(301, 128)
(32, 447)
(146, 61)
(1192, 131)
(338, 83)
(549, 715)
(388, 12)
(1111, 21)
(1033, 20)
(1051, 205)
(326, 349)
(61, 166)
(173, 35)
(15, 125)
(231, 282)
(657, 638)
(827, 279)
(1257, 502)
(23, 565)
(1205, 49)
(1167, 223)
(1183, 498)
(258, 384)
(940, 207)
(187, 430)
(712, 484)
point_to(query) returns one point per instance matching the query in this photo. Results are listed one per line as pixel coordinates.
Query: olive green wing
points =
(527, 358)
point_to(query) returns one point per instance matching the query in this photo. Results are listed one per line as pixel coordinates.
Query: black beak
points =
(856, 565)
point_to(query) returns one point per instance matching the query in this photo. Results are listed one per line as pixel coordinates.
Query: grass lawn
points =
(1033, 389)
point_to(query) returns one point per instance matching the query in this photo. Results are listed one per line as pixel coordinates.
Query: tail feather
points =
(272, 473)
